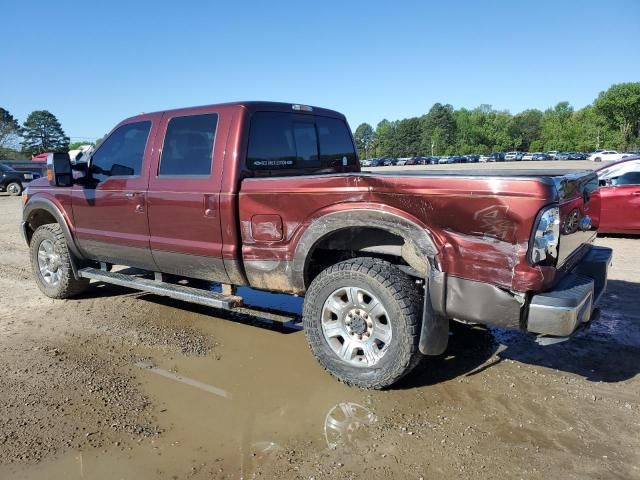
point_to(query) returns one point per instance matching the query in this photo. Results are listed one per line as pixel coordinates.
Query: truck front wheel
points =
(362, 321)
(51, 263)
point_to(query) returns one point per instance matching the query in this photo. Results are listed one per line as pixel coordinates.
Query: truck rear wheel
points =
(362, 321)
(51, 263)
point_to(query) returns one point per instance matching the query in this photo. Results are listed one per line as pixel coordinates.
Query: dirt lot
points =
(118, 384)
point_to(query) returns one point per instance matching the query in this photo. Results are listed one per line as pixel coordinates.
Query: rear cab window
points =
(281, 141)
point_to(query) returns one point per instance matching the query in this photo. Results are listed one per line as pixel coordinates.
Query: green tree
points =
(438, 128)
(620, 106)
(526, 128)
(385, 138)
(407, 137)
(364, 137)
(556, 127)
(9, 131)
(42, 132)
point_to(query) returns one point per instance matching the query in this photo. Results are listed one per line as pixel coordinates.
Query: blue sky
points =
(93, 64)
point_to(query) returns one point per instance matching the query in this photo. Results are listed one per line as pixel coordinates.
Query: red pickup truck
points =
(270, 195)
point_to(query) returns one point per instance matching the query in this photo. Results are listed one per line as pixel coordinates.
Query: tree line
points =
(40, 132)
(612, 121)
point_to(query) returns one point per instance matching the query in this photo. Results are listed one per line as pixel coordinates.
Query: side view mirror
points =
(602, 182)
(59, 170)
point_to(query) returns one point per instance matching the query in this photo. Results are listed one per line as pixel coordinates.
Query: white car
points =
(485, 159)
(527, 156)
(511, 156)
(607, 156)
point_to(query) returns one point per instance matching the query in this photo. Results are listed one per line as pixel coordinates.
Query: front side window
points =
(629, 178)
(188, 146)
(122, 153)
(280, 140)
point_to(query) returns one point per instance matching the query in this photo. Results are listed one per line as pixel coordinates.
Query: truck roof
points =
(255, 105)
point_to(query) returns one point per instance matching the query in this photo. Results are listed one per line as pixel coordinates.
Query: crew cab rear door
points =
(184, 193)
(110, 210)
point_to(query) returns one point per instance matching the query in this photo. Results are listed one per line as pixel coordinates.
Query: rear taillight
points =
(543, 249)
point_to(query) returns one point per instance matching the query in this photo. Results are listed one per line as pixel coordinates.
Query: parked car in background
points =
(443, 160)
(539, 156)
(390, 162)
(527, 156)
(473, 158)
(607, 156)
(13, 181)
(618, 197)
(577, 156)
(511, 156)
(498, 157)
(485, 159)
(562, 156)
(366, 163)
(552, 154)
(377, 162)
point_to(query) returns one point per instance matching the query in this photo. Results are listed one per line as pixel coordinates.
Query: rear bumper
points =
(570, 305)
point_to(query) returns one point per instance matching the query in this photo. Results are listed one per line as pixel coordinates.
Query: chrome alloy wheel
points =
(13, 189)
(49, 263)
(356, 326)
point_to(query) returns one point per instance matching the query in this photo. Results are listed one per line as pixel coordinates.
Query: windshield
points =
(619, 169)
(6, 168)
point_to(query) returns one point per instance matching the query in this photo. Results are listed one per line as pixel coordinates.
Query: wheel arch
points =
(40, 211)
(401, 237)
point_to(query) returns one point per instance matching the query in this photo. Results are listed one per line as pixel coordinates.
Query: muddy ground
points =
(118, 384)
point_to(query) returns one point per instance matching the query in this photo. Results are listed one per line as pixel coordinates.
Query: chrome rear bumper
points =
(571, 303)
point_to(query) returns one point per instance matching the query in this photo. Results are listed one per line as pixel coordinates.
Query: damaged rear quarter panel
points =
(480, 226)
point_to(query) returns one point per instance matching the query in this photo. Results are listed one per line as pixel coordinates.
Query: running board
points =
(179, 292)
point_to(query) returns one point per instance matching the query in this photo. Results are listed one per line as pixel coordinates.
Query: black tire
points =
(401, 297)
(597, 159)
(67, 286)
(14, 188)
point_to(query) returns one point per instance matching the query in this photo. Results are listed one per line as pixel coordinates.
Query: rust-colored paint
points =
(480, 226)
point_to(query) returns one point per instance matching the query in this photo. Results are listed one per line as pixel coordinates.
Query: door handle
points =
(210, 205)
(138, 198)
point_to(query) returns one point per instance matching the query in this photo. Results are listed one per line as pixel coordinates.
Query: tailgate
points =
(575, 192)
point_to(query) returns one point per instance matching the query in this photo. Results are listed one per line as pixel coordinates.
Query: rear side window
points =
(336, 146)
(188, 145)
(121, 154)
(280, 140)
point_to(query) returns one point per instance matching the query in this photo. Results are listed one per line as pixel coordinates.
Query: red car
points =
(619, 197)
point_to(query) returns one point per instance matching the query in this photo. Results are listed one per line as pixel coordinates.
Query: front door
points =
(184, 194)
(620, 204)
(110, 210)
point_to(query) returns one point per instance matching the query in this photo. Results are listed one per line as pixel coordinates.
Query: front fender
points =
(35, 205)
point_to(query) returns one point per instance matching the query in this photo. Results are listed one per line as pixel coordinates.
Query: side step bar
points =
(179, 292)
